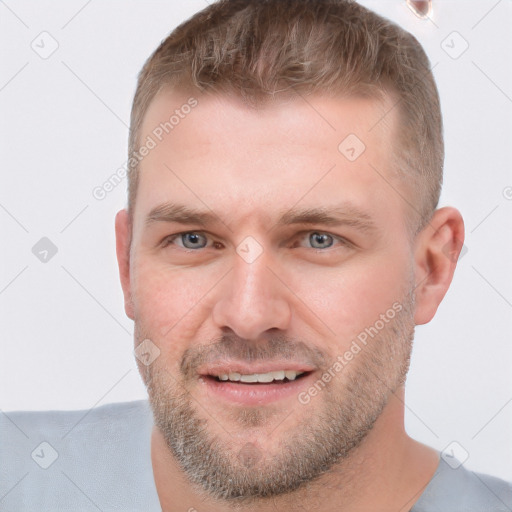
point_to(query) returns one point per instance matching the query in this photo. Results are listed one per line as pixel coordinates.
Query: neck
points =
(388, 472)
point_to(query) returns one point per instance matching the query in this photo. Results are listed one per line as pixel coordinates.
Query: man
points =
(280, 244)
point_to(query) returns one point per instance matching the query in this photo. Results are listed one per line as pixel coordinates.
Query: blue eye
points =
(193, 240)
(320, 240)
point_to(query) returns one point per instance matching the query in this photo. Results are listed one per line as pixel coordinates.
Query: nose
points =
(253, 300)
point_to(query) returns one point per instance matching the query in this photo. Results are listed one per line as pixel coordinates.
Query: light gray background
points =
(65, 340)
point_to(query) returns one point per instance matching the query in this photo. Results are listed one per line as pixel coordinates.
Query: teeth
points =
(249, 378)
(261, 377)
(281, 374)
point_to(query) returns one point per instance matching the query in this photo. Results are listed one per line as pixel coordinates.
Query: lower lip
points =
(256, 394)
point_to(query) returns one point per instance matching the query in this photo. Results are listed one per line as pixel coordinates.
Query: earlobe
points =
(437, 250)
(123, 239)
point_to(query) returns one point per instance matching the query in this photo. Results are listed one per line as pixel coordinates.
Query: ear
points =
(123, 240)
(437, 250)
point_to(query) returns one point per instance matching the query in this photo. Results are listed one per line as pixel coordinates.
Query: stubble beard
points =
(339, 419)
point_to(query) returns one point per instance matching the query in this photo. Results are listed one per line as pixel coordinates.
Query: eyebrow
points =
(180, 214)
(345, 214)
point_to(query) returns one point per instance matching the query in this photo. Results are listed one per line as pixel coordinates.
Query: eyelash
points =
(168, 240)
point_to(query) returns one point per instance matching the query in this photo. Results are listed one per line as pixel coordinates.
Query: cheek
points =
(170, 304)
(353, 297)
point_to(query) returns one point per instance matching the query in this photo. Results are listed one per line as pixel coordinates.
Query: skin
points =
(249, 167)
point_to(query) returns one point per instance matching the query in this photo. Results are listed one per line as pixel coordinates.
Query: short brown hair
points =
(257, 48)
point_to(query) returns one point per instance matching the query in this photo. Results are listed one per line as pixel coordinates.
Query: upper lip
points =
(227, 367)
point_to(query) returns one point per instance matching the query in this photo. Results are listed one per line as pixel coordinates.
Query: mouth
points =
(256, 386)
(279, 376)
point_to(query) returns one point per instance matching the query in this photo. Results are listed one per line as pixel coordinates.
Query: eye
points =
(321, 240)
(188, 240)
(193, 240)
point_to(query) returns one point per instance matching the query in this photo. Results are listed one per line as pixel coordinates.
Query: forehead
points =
(215, 151)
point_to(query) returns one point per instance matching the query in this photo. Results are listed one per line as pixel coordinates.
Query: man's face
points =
(261, 246)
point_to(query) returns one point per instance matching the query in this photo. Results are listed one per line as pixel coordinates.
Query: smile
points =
(280, 375)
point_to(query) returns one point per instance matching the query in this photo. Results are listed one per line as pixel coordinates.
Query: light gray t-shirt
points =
(100, 460)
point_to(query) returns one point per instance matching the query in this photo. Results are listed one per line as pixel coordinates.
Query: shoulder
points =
(58, 458)
(453, 488)
(103, 426)
(35, 420)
